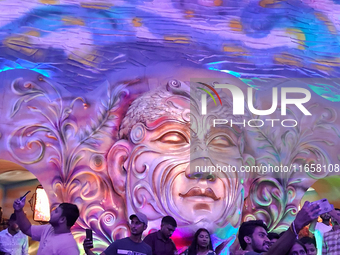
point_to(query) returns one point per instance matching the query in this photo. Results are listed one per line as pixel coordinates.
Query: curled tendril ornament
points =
(186, 115)
(108, 219)
(174, 84)
(137, 133)
(97, 162)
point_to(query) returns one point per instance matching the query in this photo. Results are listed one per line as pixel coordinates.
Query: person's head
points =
(12, 224)
(201, 240)
(65, 214)
(168, 226)
(159, 152)
(334, 221)
(310, 245)
(138, 223)
(297, 249)
(325, 217)
(273, 237)
(252, 236)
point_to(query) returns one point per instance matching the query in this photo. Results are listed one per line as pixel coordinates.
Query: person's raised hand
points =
(335, 215)
(19, 204)
(88, 244)
(306, 215)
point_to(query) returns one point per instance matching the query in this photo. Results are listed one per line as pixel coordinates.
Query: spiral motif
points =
(186, 115)
(97, 162)
(29, 85)
(109, 219)
(137, 133)
(174, 84)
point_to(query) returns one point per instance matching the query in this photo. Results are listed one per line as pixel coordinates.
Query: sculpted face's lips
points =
(194, 192)
(202, 206)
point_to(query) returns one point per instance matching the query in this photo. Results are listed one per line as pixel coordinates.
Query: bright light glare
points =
(42, 206)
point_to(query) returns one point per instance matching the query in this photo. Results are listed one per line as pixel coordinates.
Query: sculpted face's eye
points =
(173, 138)
(221, 141)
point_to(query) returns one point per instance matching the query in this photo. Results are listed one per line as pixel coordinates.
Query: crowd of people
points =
(254, 238)
(56, 238)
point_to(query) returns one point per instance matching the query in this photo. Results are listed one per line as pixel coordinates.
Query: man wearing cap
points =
(132, 245)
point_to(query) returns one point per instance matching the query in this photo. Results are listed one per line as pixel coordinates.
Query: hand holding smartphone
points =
(89, 236)
(20, 203)
(325, 206)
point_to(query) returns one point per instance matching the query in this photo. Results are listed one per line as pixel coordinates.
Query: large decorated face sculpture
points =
(161, 163)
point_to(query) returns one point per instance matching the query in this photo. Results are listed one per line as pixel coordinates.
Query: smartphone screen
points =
(22, 198)
(89, 235)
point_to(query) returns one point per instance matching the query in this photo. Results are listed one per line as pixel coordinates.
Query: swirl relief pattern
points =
(63, 140)
(275, 197)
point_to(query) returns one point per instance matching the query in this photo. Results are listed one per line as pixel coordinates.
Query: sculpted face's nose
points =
(201, 168)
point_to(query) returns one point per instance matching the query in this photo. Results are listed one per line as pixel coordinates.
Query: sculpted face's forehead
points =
(206, 133)
(155, 107)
